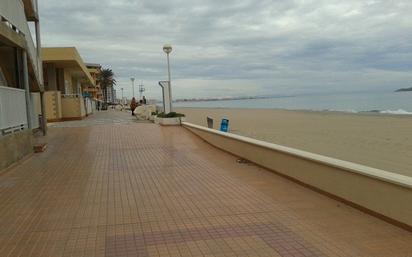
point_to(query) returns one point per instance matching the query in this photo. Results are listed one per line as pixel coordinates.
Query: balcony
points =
(13, 12)
(30, 8)
(91, 89)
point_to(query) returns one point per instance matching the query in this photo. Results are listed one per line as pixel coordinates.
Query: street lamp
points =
(132, 79)
(141, 90)
(168, 49)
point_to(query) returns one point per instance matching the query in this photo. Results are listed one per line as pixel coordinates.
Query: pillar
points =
(40, 69)
(27, 89)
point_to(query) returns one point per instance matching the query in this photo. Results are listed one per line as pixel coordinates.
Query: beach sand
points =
(375, 140)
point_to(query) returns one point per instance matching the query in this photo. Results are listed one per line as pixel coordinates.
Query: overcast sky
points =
(240, 47)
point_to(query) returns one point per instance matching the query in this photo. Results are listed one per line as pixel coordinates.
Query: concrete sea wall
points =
(380, 193)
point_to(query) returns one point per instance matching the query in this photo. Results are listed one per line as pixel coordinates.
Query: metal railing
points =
(13, 113)
(71, 96)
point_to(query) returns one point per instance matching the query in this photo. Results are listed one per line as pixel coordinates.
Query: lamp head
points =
(132, 79)
(167, 48)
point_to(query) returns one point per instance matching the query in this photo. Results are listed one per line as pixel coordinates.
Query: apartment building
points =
(21, 83)
(67, 83)
(98, 93)
(111, 95)
(94, 92)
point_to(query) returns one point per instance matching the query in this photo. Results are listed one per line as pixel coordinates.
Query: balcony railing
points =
(13, 113)
(71, 96)
(90, 89)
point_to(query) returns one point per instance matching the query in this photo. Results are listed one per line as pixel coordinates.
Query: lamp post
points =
(141, 90)
(122, 96)
(168, 49)
(132, 79)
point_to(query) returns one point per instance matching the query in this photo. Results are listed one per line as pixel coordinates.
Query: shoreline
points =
(373, 113)
(376, 140)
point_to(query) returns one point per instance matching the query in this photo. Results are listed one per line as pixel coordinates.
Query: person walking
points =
(133, 105)
(144, 100)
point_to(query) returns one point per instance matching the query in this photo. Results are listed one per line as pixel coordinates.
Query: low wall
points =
(82, 108)
(53, 105)
(381, 193)
(15, 147)
(89, 106)
(73, 108)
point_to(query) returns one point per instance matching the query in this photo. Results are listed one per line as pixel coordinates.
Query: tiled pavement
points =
(132, 189)
(99, 118)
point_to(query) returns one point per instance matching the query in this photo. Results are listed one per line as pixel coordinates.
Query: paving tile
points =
(109, 187)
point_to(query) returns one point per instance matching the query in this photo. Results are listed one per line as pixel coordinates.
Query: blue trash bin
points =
(224, 125)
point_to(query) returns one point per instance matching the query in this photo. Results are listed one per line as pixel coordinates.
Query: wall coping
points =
(386, 176)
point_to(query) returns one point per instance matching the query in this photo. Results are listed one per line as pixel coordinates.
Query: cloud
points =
(240, 47)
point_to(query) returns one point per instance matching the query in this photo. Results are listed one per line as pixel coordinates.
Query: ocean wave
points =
(344, 110)
(393, 112)
(397, 112)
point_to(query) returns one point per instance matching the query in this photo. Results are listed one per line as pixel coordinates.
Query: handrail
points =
(382, 175)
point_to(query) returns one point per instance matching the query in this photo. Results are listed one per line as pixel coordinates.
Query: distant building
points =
(95, 92)
(111, 95)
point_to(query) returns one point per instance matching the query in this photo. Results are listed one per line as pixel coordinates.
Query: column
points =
(40, 69)
(27, 89)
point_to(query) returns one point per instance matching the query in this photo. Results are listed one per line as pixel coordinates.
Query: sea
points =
(377, 102)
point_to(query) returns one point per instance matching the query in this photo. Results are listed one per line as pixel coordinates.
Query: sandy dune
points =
(379, 141)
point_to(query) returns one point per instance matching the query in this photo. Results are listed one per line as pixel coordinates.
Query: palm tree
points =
(107, 81)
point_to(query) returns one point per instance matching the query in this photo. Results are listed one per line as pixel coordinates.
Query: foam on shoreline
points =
(393, 112)
(397, 112)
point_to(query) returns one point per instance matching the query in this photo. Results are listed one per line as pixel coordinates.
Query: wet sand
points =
(376, 140)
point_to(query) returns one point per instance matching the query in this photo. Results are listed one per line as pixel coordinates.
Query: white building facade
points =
(21, 82)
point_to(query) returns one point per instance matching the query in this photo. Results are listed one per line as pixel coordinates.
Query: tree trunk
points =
(105, 95)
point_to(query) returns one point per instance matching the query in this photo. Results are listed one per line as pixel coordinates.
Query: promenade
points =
(109, 186)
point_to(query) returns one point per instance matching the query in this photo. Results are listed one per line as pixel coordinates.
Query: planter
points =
(169, 121)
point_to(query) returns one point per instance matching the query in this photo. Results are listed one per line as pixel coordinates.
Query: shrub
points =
(170, 115)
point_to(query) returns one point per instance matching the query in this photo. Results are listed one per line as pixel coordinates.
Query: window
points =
(3, 81)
